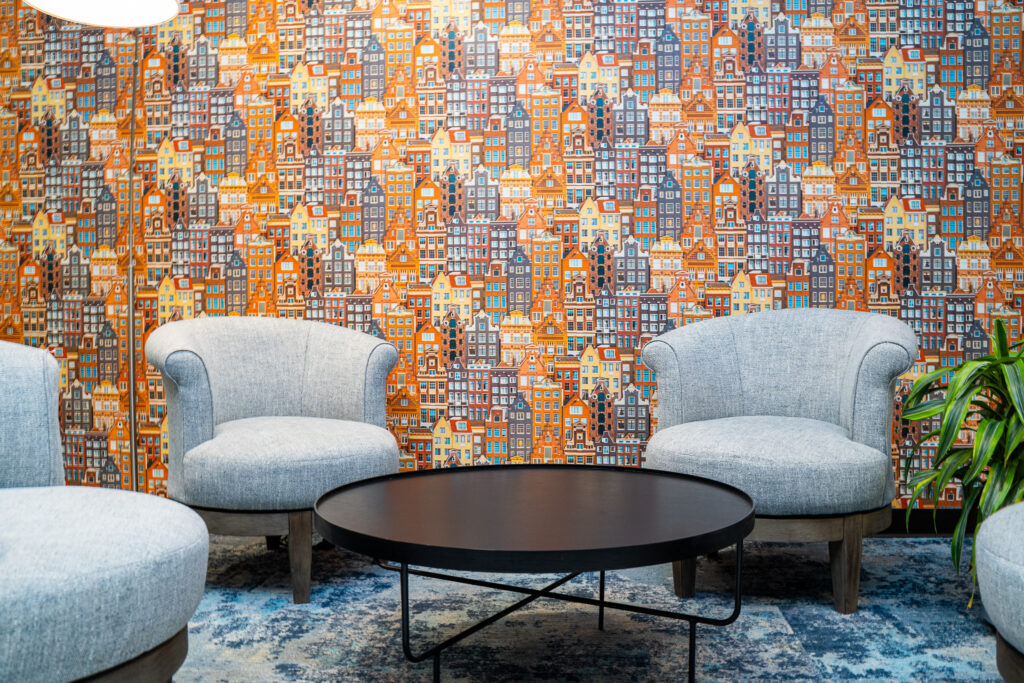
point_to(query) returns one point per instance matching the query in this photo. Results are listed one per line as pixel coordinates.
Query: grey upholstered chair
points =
(265, 416)
(94, 583)
(999, 560)
(794, 407)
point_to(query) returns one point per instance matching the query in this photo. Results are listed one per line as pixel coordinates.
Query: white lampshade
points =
(109, 13)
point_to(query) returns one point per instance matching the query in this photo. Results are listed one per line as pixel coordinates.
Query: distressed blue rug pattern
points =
(913, 622)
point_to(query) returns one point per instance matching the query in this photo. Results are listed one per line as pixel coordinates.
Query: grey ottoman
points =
(999, 559)
(94, 581)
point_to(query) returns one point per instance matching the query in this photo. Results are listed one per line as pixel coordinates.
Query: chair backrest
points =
(263, 366)
(30, 444)
(789, 363)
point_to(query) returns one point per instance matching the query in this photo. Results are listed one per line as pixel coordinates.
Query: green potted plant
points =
(984, 396)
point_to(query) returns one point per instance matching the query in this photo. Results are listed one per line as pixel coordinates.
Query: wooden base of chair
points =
(684, 577)
(844, 535)
(1010, 661)
(154, 666)
(297, 524)
(300, 553)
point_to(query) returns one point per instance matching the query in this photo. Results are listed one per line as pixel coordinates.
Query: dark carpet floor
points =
(913, 623)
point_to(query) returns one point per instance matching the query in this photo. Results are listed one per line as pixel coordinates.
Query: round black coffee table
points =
(536, 519)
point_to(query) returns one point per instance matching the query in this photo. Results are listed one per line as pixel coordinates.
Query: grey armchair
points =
(795, 408)
(94, 583)
(266, 415)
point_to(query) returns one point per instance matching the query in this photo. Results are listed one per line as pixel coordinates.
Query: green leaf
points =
(995, 478)
(1002, 345)
(1014, 435)
(926, 437)
(925, 410)
(954, 450)
(985, 442)
(917, 446)
(964, 374)
(957, 543)
(918, 490)
(924, 385)
(986, 410)
(974, 575)
(950, 467)
(921, 479)
(1006, 486)
(1018, 495)
(1013, 373)
(989, 390)
(952, 421)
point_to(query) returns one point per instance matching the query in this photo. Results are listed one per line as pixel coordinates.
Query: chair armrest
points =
(346, 375)
(30, 439)
(695, 368)
(171, 350)
(659, 355)
(884, 350)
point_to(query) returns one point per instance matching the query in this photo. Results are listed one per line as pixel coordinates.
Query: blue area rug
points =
(913, 622)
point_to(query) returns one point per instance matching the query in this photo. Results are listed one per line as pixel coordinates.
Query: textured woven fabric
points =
(1000, 563)
(221, 370)
(880, 351)
(30, 445)
(833, 366)
(283, 463)
(189, 412)
(91, 578)
(788, 465)
(815, 363)
(267, 366)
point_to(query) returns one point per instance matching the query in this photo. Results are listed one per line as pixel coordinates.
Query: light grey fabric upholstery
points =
(999, 558)
(836, 367)
(218, 371)
(789, 466)
(91, 578)
(30, 444)
(282, 463)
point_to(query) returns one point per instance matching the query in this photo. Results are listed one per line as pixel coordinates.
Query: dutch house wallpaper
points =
(518, 194)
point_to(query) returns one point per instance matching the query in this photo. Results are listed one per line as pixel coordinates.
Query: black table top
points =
(534, 518)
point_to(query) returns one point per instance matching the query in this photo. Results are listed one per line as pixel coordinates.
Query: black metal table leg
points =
(693, 652)
(436, 650)
(549, 592)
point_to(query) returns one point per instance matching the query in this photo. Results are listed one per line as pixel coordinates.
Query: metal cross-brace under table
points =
(549, 592)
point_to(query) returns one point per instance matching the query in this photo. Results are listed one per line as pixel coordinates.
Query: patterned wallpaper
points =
(517, 194)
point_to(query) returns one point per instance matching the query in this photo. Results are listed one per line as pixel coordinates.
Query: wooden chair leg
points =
(300, 553)
(1009, 661)
(844, 557)
(273, 542)
(684, 577)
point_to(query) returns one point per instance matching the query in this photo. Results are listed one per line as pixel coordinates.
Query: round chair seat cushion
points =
(280, 463)
(789, 466)
(999, 560)
(92, 578)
